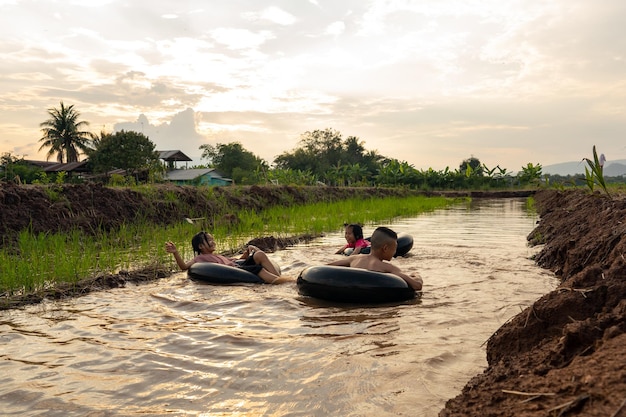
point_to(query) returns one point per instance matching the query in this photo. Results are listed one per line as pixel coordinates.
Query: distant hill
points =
(611, 168)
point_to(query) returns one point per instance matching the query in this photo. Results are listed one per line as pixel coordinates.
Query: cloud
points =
(177, 134)
(240, 38)
(429, 82)
(272, 14)
(336, 28)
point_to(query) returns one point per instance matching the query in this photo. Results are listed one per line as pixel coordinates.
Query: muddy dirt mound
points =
(566, 354)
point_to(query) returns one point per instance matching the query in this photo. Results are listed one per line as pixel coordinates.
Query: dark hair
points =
(387, 231)
(196, 240)
(382, 234)
(357, 230)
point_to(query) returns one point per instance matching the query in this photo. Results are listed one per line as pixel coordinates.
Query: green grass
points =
(314, 218)
(42, 260)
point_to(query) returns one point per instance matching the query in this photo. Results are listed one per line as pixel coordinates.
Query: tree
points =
(234, 161)
(16, 169)
(530, 174)
(63, 135)
(327, 156)
(471, 167)
(127, 150)
(318, 152)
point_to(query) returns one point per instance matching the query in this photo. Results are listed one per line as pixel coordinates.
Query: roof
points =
(173, 156)
(190, 174)
(48, 166)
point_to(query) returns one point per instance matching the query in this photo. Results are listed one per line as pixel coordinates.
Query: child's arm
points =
(356, 251)
(340, 251)
(342, 262)
(414, 282)
(171, 248)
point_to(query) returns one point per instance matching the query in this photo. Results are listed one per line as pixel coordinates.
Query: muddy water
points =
(175, 347)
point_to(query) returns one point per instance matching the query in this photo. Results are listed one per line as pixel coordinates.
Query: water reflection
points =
(175, 347)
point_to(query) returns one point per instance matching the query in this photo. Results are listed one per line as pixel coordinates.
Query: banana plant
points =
(595, 173)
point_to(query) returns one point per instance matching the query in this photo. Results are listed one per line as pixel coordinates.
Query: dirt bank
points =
(566, 354)
(94, 208)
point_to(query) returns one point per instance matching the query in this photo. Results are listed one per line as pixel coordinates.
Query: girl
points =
(354, 237)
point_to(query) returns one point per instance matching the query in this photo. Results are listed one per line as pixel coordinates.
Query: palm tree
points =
(63, 135)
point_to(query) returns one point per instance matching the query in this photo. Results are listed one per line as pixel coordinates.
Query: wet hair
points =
(383, 235)
(357, 230)
(196, 240)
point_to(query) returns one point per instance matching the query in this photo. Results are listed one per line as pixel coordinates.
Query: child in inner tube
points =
(256, 261)
(354, 237)
(384, 245)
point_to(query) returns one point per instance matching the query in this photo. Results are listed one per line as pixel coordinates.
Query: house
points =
(203, 176)
(197, 176)
(171, 157)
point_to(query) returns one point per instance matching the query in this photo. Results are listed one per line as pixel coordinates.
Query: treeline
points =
(321, 157)
(325, 157)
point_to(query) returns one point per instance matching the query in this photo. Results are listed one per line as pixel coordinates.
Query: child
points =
(384, 245)
(257, 262)
(354, 237)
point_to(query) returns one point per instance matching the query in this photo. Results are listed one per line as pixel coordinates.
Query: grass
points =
(42, 260)
(322, 217)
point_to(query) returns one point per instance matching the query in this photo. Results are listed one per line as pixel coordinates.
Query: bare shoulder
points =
(389, 267)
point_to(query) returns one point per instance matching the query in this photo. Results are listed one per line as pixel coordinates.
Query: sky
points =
(428, 82)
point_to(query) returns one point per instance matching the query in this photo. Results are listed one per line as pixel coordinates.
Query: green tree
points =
(328, 156)
(471, 167)
(530, 174)
(317, 152)
(234, 161)
(63, 134)
(16, 169)
(396, 173)
(131, 151)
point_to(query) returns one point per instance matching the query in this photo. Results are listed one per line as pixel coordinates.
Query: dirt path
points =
(566, 354)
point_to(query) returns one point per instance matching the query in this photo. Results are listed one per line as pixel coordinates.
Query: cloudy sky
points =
(429, 82)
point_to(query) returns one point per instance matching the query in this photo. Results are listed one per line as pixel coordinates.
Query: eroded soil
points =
(566, 354)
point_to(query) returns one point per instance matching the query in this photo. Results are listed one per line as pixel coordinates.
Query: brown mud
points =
(566, 354)
(563, 356)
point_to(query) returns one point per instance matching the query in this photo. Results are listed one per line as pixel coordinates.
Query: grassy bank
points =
(77, 246)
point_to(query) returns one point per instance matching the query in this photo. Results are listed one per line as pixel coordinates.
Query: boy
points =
(384, 245)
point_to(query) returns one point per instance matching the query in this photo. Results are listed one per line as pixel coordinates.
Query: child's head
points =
(386, 240)
(201, 238)
(354, 231)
